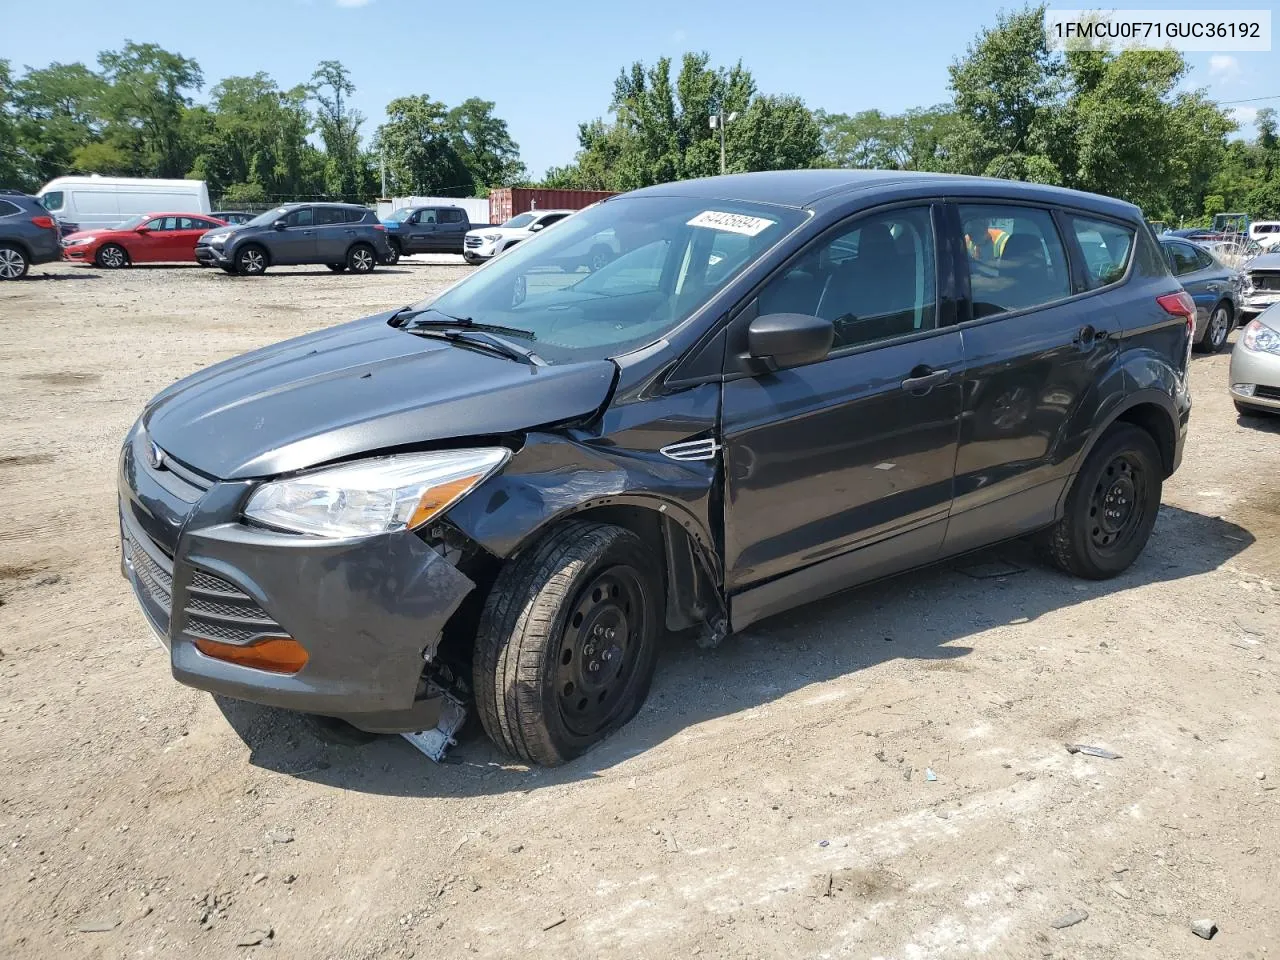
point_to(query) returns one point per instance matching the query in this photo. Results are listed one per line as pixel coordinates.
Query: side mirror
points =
(142, 229)
(536, 227)
(280, 224)
(781, 340)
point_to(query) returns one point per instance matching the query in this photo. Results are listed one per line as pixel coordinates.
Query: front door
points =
(1035, 361)
(296, 243)
(422, 232)
(841, 471)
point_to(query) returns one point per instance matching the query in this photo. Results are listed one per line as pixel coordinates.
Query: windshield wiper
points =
(473, 337)
(402, 318)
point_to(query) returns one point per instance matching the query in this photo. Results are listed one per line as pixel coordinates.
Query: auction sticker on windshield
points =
(732, 222)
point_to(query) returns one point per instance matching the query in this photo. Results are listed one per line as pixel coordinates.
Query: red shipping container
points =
(506, 202)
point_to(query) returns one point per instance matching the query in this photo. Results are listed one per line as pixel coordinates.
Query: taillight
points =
(45, 223)
(380, 226)
(1179, 304)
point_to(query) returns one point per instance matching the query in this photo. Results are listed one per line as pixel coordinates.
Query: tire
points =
(111, 256)
(14, 262)
(392, 258)
(1111, 507)
(336, 267)
(546, 687)
(598, 257)
(251, 261)
(361, 258)
(1216, 330)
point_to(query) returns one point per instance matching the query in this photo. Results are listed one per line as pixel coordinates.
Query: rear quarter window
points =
(1107, 248)
(8, 209)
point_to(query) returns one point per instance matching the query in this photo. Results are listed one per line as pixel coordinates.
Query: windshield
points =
(134, 222)
(399, 216)
(268, 218)
(619, 275)
(520, 220)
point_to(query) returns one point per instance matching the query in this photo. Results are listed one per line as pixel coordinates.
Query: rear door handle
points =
(924, 379)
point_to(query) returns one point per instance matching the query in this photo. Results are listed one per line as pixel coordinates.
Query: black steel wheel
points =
(1111, 508)
(567, 641)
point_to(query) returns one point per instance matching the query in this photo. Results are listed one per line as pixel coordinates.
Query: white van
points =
(98, 202)
(1266, 232)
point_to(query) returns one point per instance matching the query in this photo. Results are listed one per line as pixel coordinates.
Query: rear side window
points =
(1107, 247)
(873, 280)
(327, 216)
(8, 209)
(1016, 258)
(1205, 259)
(1182, 258)
(451, 216)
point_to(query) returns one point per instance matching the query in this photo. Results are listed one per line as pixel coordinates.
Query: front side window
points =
(160, 224)
(53, 200)
(873, 280)
(305, 217)
(427, 216)
(660, 273)
(1106, 248)
(1016, 258)
(554, 218)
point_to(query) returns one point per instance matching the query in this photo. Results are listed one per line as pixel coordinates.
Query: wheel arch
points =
(22, 247)
(240, 247)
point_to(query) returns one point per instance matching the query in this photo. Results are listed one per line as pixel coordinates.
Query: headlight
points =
(218, 238)
(1258, 336)
(493, 237)
(374, 496)
(79, 241)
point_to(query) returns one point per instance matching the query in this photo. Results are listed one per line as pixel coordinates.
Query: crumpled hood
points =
(358, 388)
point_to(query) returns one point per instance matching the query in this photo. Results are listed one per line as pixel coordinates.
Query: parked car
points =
(485, 243)
(426, 230)
(1255, 365)
(1260, 284)
(233, 217)
(28, 234)
(1213, 285)
(342, 236)
(149, 238)
(103, 202)
(1266, 232)
(786, 384)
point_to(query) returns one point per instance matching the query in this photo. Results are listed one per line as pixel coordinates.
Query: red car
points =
(149, 238)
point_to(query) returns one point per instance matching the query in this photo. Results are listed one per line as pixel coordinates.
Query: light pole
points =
(719, 120)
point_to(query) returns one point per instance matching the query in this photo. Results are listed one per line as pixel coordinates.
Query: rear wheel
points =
(13, 262)
(336, 267)
(361, 258)
(567, 642)
(251, 261)
(1216, 330)
(1111, 507)
(112, 256)
(393, 256)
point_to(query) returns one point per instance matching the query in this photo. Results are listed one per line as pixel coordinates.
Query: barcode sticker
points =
(731, 222)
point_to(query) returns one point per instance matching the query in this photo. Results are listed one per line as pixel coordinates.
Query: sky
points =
(550, 66)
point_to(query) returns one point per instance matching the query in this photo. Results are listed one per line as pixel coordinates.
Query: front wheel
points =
(567, 642)
(251, 262)
(13, 262)
(1111, 508)
(112, 257)
(361, 258)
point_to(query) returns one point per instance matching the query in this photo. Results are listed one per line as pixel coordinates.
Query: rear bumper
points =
(369, 612)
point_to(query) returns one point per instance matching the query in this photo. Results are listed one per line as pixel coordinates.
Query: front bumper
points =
(208, 256)
(369, 612)
(81, 253)
(474, 252)
(1254, 302)
(1258, 370)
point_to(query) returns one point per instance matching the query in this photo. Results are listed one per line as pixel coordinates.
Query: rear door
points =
(333, 234)
(848, 460)
(1035, 359)
(189, 231)
(451, 229)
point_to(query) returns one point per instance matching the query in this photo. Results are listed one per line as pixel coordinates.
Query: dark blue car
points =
(1213, 285)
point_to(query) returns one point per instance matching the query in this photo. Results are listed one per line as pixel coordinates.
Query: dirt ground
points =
(775, 798)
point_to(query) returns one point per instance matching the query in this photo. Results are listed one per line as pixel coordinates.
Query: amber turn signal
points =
(274, 654)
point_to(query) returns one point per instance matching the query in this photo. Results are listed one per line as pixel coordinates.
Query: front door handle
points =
(923, 379)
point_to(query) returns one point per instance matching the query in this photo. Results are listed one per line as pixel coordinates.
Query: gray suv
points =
(28, 234)
(343, 236)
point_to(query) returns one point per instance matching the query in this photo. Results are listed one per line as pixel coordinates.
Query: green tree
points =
(484, 145)
(59, 111)
(774, 133)
(15, 171)
(418, 149)
(144, 104)
(346, 168)
(915, 140)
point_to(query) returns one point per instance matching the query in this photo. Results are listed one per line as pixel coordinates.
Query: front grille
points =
(151, 574)
(1267, 393)
(473, 241)
(1265, 281)
(216, 610)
